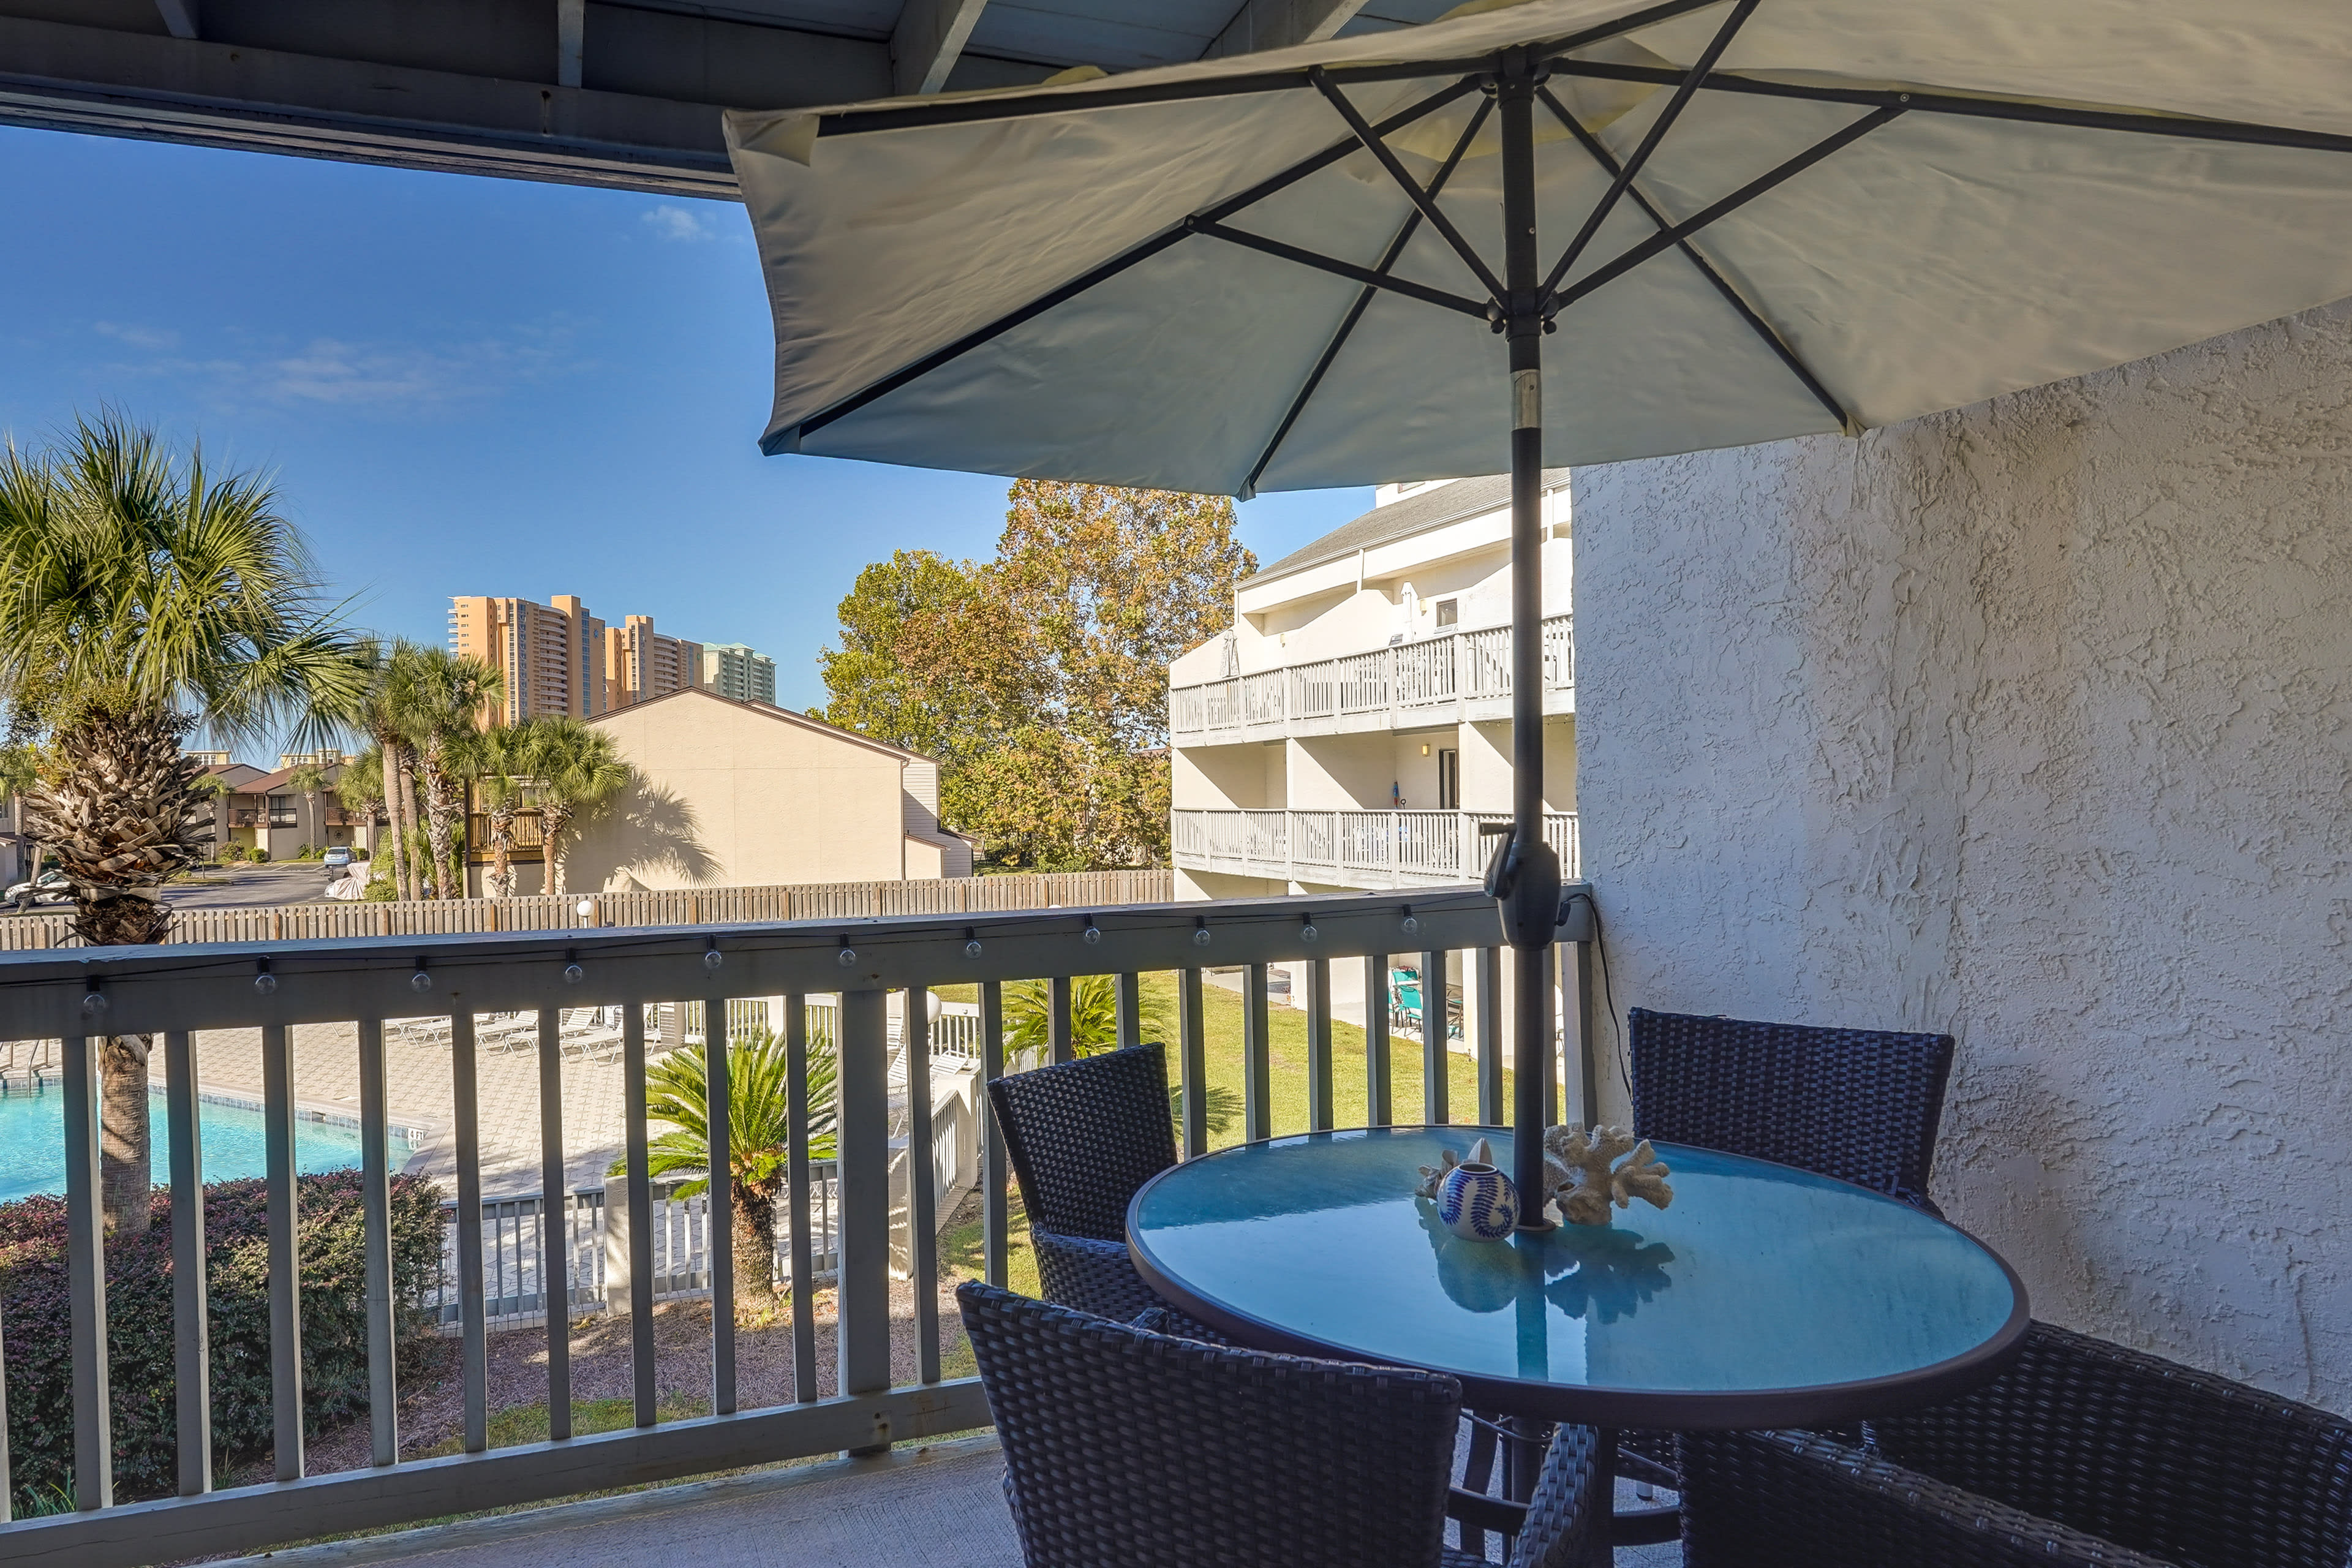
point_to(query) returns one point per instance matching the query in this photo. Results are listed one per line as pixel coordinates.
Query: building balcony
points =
(1372, 850)
(1453, 677)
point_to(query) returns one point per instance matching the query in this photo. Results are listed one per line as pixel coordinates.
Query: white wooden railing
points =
(1410, 676)
(1353, 849)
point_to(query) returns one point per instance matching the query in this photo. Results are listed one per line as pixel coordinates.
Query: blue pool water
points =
(32, 1147)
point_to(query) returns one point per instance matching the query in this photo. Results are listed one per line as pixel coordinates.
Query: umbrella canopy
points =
(1991, 195)
(1731, 220)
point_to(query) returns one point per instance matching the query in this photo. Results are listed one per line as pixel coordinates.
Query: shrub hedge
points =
(35, 1325)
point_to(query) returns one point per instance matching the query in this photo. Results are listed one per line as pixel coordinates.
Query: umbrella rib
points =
(1377, 147)
(1684, 90)
(2190, 129)
(1666, 240)
(1763, 329)
(1348, 270)
(1364, 298)
(1144, 251)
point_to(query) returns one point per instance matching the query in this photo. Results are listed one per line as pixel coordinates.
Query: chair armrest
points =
(1564, 1511)
(1752, 1499)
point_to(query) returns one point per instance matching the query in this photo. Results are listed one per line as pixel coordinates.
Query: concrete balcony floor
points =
(941, 1506)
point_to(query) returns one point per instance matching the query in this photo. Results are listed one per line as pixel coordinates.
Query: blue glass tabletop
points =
(1763, 1296)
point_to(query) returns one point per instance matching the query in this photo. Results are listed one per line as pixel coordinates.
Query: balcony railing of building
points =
(1353, 849)
(1401, 683)
(177, 994)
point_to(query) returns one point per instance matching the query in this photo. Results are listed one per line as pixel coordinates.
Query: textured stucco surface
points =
(2030, 722)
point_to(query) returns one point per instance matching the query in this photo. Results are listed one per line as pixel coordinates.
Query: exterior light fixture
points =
(265, 983)
(1093, 934)
(713, 958)
(1200, 933)
(849, 954)
(971, 946)
(1411, 924)
(1308, 931)
(93, 1003)
(573, 974)
(420, 981)
(584, 909)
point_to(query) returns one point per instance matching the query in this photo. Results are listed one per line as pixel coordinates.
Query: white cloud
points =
(139, 337)
(387, 377)
(670, 221)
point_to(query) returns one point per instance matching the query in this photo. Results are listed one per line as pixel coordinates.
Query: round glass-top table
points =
(1765, 1295)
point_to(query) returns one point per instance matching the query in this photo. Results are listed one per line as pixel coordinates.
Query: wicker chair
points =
(1127, 1447)
(2083, 1452)
(1861, 1105)
(1083, 1136)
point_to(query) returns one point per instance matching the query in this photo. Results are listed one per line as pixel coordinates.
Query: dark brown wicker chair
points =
(2083, 1452)
(1861, 1105)
(1082, 1137)
(1131, 1447)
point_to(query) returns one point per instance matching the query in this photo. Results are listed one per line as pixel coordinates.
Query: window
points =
(1449, 775)
(1449, 613)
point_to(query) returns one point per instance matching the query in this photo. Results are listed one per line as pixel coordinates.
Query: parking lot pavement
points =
(251, 886)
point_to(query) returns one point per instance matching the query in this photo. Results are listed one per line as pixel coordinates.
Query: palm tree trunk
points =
(755, 1243)
(553, 818)
(501, 865)
(440, 809)
(126, 1179)
(403, 788)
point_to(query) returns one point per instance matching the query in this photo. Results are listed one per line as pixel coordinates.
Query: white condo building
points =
(1352, 729)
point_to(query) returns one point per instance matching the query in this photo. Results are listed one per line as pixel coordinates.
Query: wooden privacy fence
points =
(670, 907)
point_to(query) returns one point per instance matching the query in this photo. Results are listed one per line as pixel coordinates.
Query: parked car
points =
(50, 888)
(338, 860)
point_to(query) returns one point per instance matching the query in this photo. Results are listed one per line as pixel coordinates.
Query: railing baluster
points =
(285, 1249)
(719, 1114)
(86, 1280)
(796, 1182)
(467, 1120)
(554, 1224)
(1486, 1031)
(1065, 1049)
(863, 1293)
(1257, 1089)
(375, 1198)
(922, 1193)
(1318, 1044)
(1434, 1010)
(994, 1222)
(1377, 1109)
(192, 1371)
(1191, 1021)
(1130, 1009)
(642, 1366)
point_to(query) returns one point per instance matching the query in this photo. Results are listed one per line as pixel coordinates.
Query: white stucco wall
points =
(2033, 723)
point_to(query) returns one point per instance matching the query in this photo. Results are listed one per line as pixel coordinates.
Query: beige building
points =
(557, 658)
(642, 665)
(745, 793)
(553, 656)
(271, 813)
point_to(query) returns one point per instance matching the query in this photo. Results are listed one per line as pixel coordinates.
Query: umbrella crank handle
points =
(1525, 886)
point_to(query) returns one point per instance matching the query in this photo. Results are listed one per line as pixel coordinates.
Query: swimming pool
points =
(33, 1149)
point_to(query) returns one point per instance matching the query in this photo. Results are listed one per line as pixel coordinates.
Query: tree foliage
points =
(1039, 678)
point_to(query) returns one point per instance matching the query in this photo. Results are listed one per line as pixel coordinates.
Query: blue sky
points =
(467, 385)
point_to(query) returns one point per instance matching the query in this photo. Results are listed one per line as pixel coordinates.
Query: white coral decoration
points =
(1433, 1176)
(1582, 1174)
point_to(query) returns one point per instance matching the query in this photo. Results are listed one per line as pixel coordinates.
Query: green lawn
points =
(961, 1247)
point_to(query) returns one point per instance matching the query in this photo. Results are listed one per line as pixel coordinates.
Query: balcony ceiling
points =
(626, 95)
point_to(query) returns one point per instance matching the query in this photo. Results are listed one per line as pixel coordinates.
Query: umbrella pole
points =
(1528, 889)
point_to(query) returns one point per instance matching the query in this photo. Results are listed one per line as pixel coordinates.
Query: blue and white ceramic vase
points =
(1477, 1201)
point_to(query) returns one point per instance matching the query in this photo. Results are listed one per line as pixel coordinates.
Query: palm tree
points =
(215, 789)
(579, 770)
(759, 1135)
(311, 780)
(495, 759)
(379, 713)
(141, 597)
(440, 704)
(1094, 1029)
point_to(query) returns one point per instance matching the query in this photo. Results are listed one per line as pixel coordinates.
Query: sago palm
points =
(1094, 1028)
(578, 772)
(141, 597)
(758, 1134)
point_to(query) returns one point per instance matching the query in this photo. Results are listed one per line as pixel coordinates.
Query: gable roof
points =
(785, 715)
(1416, 513)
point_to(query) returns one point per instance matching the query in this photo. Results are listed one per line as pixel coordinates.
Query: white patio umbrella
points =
(1572, 228)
